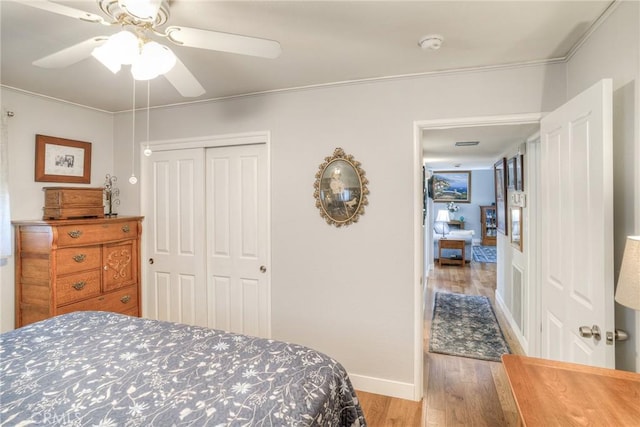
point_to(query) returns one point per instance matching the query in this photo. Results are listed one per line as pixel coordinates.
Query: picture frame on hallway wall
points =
(62, 160)
(516, 227)
(451, 186)
(500, 181)
(520, 172)
(512, 173)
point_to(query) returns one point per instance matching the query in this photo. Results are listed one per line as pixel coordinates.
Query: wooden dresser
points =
(77, 264)
(552, 393)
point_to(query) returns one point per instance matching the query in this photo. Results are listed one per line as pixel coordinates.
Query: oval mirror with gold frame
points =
(340, 189)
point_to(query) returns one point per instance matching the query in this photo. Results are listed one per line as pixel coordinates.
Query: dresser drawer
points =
(83, 234)
(77, 287)
(71, 260)
(121, 301)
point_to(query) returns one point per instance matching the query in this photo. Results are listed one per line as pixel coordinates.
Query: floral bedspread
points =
(106, 369)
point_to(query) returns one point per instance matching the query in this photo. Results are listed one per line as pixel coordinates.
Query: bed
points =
(107, 369)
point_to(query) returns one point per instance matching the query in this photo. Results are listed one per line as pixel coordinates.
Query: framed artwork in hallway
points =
(500, 180)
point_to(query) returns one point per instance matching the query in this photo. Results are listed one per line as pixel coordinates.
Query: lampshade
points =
(121, 48)
(443, 216)
(147, 61)
(154, 59)
(628, 290)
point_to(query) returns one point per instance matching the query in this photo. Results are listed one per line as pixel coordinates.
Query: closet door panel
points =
(176, 246)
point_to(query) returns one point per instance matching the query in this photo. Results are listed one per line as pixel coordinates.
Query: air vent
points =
(466, 143)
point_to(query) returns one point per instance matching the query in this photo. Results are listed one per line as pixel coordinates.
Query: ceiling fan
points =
(141, 19)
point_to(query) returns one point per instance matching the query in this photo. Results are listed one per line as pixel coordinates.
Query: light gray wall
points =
(613, 51)
(37, 115)
(349, 292)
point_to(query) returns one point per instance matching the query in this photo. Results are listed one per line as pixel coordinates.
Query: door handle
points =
(588, 332)
(263, 269)
(151, 261)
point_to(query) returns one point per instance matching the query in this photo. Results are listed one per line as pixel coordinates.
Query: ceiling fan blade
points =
(70, 55)
(184, 82)
(225, 42)
(63, 10)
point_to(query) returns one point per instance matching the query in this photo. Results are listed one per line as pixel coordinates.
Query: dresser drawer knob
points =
(125, 299)
(125, 228)
(74, 234)
(79, 257)
(78, 286)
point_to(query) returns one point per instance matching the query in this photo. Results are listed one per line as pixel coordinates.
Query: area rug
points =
(466, 326)
(484, 254)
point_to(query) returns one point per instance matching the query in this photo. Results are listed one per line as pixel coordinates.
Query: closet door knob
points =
(263, 269)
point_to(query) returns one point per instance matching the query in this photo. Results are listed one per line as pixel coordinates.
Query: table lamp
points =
(443, 218)
(628, 290)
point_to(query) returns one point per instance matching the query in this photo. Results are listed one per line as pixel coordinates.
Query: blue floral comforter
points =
(106, 369)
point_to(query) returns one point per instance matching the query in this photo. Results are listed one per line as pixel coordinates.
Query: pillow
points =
(441, 228)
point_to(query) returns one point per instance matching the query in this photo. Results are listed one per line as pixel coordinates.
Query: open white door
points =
(576, 178)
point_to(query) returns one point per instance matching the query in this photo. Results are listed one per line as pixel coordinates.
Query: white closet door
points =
(173, 201)
(237, 219)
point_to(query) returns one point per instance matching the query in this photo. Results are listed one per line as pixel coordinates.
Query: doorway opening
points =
(423, 247)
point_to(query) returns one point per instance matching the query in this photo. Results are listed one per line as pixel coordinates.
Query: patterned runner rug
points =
(484, 254)
(466, 326)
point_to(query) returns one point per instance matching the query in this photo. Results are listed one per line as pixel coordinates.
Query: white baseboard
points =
(512, 322)
(384, 387)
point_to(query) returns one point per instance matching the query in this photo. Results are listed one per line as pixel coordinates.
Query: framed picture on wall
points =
(62, 160)
(512, 172)
(500, 181)
(516, 227)
(519, 172)
(451, 186)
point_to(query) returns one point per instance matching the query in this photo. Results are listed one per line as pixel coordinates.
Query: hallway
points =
(459, 390)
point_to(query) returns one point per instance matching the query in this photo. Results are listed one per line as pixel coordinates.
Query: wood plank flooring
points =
(459, 391)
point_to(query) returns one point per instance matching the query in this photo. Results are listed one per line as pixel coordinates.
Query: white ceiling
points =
(441, 153)
(323, 42)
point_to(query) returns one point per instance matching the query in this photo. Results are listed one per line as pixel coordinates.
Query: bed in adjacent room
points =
(107, 369)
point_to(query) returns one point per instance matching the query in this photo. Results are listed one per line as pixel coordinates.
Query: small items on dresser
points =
(72, 202)
(111, 193)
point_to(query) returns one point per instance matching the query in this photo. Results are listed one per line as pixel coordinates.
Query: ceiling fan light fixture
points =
(106, 58)
(154, 60)
(143, 10)
(120, 49)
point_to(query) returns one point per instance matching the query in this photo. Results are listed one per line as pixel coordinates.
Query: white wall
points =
(613, 51)
(349, 292)
(36, 115)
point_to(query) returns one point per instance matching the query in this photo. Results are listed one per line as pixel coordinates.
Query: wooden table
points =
(551, 393)
(450, 244)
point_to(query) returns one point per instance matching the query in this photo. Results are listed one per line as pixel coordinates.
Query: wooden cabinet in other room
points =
(488, 224)
(73, 265)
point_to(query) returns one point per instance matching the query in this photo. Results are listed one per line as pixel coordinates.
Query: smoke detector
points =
(431, 42)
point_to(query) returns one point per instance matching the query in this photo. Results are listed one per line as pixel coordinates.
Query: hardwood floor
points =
(459, 391)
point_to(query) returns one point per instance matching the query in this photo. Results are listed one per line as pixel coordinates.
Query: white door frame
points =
(418, 230)
(212, 141)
